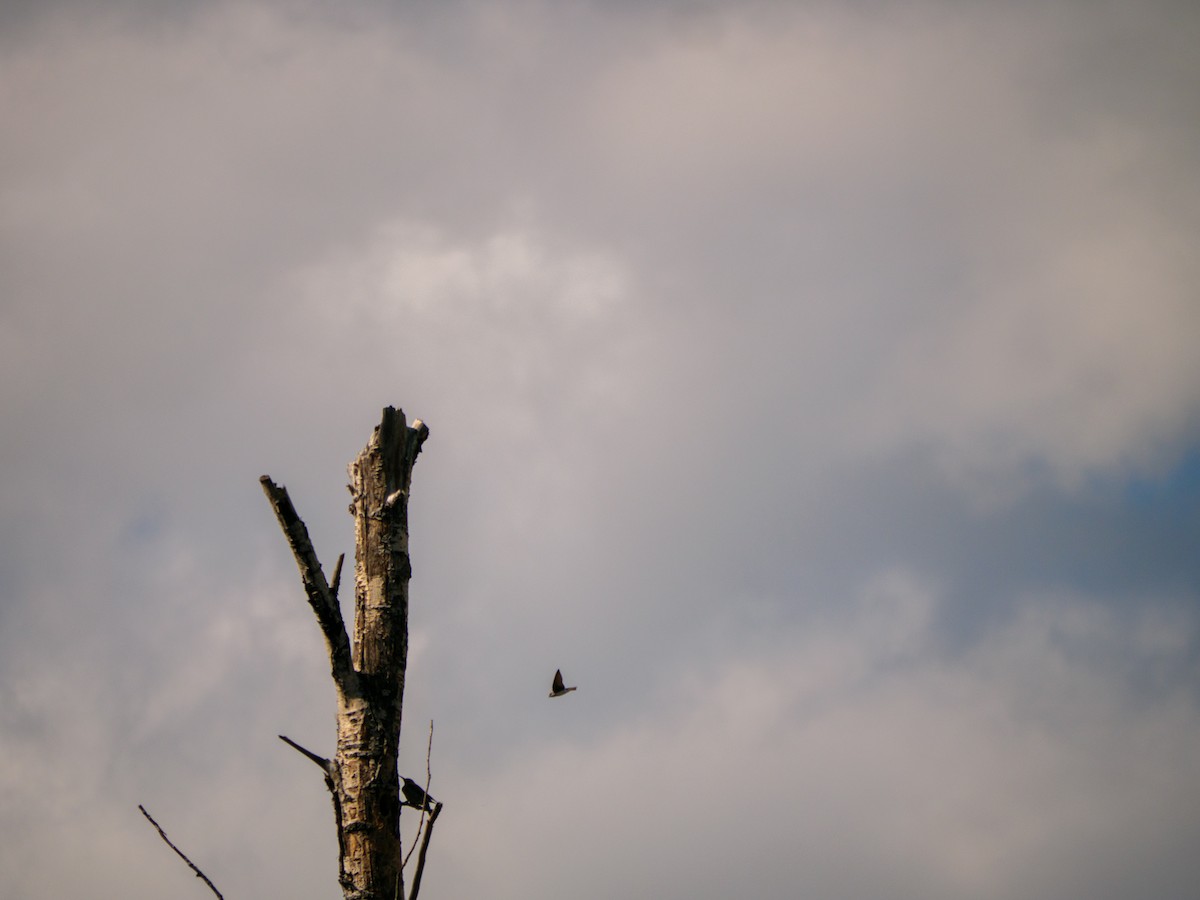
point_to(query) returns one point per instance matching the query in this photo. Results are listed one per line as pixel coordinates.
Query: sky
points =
(815, 383)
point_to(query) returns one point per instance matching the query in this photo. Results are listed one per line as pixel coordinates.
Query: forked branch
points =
(321, 597)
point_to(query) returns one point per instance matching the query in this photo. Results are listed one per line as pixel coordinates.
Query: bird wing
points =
(558, 682)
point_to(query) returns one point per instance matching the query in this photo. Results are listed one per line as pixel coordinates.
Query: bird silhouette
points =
(557, 689)
(415, 796)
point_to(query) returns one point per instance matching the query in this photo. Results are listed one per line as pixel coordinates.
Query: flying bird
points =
(557, 689)
(415, 796)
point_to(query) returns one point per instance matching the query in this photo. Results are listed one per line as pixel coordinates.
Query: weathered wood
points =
(322, 762)
(191, 865)
(369, 675)
(416, 882)
(322, 600)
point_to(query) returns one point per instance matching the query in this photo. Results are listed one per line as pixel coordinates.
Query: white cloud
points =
(1075, 358)
(829, 768)
(505, 279)
(706, 307)
(1006, 290)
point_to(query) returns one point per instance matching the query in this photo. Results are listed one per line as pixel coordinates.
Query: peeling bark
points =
(368, 675)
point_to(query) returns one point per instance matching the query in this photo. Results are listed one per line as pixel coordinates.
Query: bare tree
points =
(362, 776)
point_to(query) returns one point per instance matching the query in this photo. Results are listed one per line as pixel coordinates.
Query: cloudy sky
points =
(816, 383)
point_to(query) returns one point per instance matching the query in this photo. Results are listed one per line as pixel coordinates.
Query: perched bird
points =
(415, 796)
(557, 689)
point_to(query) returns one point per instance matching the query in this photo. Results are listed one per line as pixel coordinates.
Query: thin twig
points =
(428, 800)
(182, 855)
(428, 753)
(428, 826)
(328, 769)
(319, 760)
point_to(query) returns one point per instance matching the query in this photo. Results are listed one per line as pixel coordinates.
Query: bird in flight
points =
(415, 796)
(557, 689)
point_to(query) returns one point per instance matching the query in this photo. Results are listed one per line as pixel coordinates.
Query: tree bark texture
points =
(368, 674)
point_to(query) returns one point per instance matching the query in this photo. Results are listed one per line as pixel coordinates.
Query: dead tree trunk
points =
(369, 676)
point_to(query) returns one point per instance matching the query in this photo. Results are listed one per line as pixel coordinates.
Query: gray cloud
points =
(812, 384)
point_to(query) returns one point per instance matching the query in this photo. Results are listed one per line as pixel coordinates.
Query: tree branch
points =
(336, 582)
(429, 801)
(321, 761)
(435, 809)
(327, 768)
(416, 885)
(321, 598)
(181, 854)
